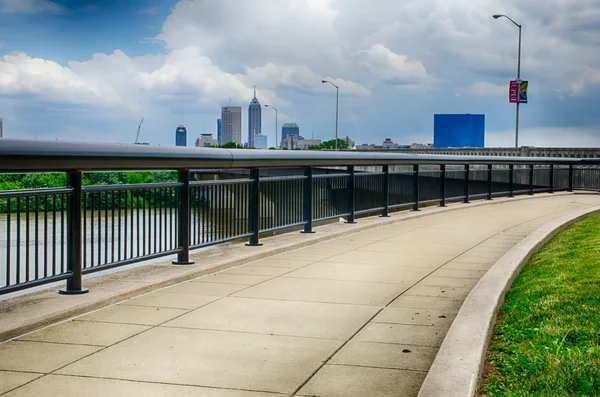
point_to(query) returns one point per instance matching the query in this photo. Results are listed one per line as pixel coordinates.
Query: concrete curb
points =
(22, 324)
(457, 368)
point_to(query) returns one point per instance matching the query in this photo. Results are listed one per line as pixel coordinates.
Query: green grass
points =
(547, 337)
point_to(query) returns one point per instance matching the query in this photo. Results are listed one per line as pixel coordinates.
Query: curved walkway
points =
(361, 315)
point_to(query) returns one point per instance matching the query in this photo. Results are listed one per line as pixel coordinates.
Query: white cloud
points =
(30, 7)
(20, 73)
(301, 78)
(392, 68)
(484, 89)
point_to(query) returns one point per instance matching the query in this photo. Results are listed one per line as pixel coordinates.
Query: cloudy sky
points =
(90, 70)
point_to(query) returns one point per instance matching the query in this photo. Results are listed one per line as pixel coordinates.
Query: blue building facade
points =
(289, 129)
(458, 130)
(219, 132)
(181, 136)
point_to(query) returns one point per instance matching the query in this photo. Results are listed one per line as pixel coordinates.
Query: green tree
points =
(232, 145)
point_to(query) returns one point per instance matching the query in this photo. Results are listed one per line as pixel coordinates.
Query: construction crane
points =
(137, 137)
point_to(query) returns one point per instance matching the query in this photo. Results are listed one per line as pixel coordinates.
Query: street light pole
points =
(337, 101)
(269, 106)
(496, 16)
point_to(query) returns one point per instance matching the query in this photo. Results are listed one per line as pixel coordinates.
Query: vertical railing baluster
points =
(415, 192)
(307, 201)
(36, 238)
(511, 180)
(183, 257)
(18, 238)
(490, 186)
(27, 260)
(120, 234)
(551, 187)
(531, 179)
(8, 238)
(385, 213)
(254, 208)
(351, 198)
(46, 245)
(570, 178)
(74, 264)
(467, 178)
(443, 185)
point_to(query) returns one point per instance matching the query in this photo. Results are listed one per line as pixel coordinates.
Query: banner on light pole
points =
(517, 91)
(513, 92)
(523, 91)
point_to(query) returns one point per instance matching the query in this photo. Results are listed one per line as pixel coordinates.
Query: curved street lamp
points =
(496, 16)
(274, 108)
(337, 96)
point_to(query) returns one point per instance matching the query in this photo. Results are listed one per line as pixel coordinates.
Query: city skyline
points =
(90, 72)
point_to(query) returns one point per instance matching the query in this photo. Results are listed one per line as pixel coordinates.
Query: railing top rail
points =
(27, 155)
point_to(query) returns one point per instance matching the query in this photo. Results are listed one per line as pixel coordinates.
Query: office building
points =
(206, 140)
(304, 144)
(289, 129)
(219, 140)
(181, 136)
(231, 124)
(1, 128)
(254, 120)
(458, 130)
(260, 141)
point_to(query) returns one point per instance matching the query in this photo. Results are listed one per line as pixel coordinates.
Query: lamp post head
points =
(324, 81)
(496, 16)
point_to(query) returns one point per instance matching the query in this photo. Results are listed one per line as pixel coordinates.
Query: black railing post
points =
(467, 175)
(351, 193)
(443, 185)
(531, 179)
(183, 257)
(511, 180)
(490, 186)
(570, 178)
(308, 185)
(551, 178)
(74, 240)
(385, 213)
(254, 208)
(415, 187)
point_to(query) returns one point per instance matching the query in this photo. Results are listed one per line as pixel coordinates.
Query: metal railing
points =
(49, 235)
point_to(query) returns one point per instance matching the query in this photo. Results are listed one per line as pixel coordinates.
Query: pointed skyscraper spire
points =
(255, 92)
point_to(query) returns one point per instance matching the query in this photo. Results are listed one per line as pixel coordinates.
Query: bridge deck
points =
(361, 315)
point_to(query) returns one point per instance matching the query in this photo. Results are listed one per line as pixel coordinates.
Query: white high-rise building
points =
(231, 124)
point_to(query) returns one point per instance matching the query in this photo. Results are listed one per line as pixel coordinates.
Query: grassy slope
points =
(547, 338)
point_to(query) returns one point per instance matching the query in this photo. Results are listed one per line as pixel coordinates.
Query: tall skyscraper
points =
(254, 120)
(219, 132)
(181, 136)
(1, 128)
(231, 124)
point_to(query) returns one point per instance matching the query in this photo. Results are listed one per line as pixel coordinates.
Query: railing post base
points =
(177, 262)
(67, 291)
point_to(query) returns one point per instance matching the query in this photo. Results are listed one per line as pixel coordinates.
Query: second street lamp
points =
(496, 16)
(337, 97)
(274, 108)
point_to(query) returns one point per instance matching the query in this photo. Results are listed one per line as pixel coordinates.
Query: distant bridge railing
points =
(54, 234)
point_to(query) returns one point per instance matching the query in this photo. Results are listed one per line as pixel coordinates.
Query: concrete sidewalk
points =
(362, 315)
